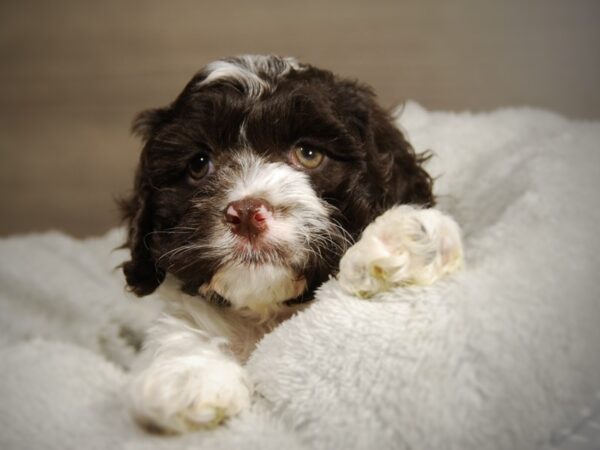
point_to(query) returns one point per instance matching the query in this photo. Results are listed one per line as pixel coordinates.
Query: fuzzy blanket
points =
(503, 355)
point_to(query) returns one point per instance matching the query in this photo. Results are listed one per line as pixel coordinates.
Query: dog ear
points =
(146, 123)
(392, 164)
(141, 273)
(404, 180)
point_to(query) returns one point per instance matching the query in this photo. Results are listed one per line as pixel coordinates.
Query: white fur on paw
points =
(182, 394)
(403, 246)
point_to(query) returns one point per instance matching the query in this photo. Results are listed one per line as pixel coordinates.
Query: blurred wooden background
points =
(74, 72)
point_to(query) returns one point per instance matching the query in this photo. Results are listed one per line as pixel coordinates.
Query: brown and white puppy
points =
(251, 186)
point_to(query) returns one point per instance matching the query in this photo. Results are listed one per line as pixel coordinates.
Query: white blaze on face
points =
(298, 217)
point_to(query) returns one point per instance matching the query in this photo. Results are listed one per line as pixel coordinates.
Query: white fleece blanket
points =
(504, 355)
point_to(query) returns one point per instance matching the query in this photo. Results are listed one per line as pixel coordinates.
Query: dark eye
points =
(200, 166)
(307, 157)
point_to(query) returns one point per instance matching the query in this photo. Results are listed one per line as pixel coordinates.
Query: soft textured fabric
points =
(503, 355)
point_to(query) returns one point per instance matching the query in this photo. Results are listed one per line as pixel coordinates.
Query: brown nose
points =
(248, 217)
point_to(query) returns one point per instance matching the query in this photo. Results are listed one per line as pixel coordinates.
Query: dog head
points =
(254, 180)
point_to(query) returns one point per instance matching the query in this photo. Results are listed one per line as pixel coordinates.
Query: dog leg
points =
(187, 379)
(404, 246)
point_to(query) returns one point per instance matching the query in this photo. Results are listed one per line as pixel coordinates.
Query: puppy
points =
(251, 186)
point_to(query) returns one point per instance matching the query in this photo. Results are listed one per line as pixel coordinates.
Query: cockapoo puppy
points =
(251, 186)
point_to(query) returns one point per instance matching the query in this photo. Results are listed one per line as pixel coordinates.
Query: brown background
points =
(73, 73)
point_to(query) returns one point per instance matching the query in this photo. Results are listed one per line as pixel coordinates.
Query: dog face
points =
(254, 180)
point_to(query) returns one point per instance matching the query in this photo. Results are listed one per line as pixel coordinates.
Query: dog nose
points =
(248, 217)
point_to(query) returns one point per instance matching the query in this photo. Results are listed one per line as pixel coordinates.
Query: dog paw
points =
(404, 246)
(184, 395)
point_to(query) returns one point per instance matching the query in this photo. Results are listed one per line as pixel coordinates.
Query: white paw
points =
(182, 394)
(403, 246)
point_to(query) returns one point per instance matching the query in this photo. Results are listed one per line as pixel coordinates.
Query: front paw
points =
(175, 396)
(403, 246)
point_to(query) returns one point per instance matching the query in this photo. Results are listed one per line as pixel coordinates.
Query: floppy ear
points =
(141, 273)
(147, 122)
(404, 178)
(392, 164)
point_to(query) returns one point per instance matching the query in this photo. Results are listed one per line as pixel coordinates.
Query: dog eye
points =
(200, 166)
(307, 157)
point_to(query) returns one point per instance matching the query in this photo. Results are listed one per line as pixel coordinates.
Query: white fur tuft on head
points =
(256, 73)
